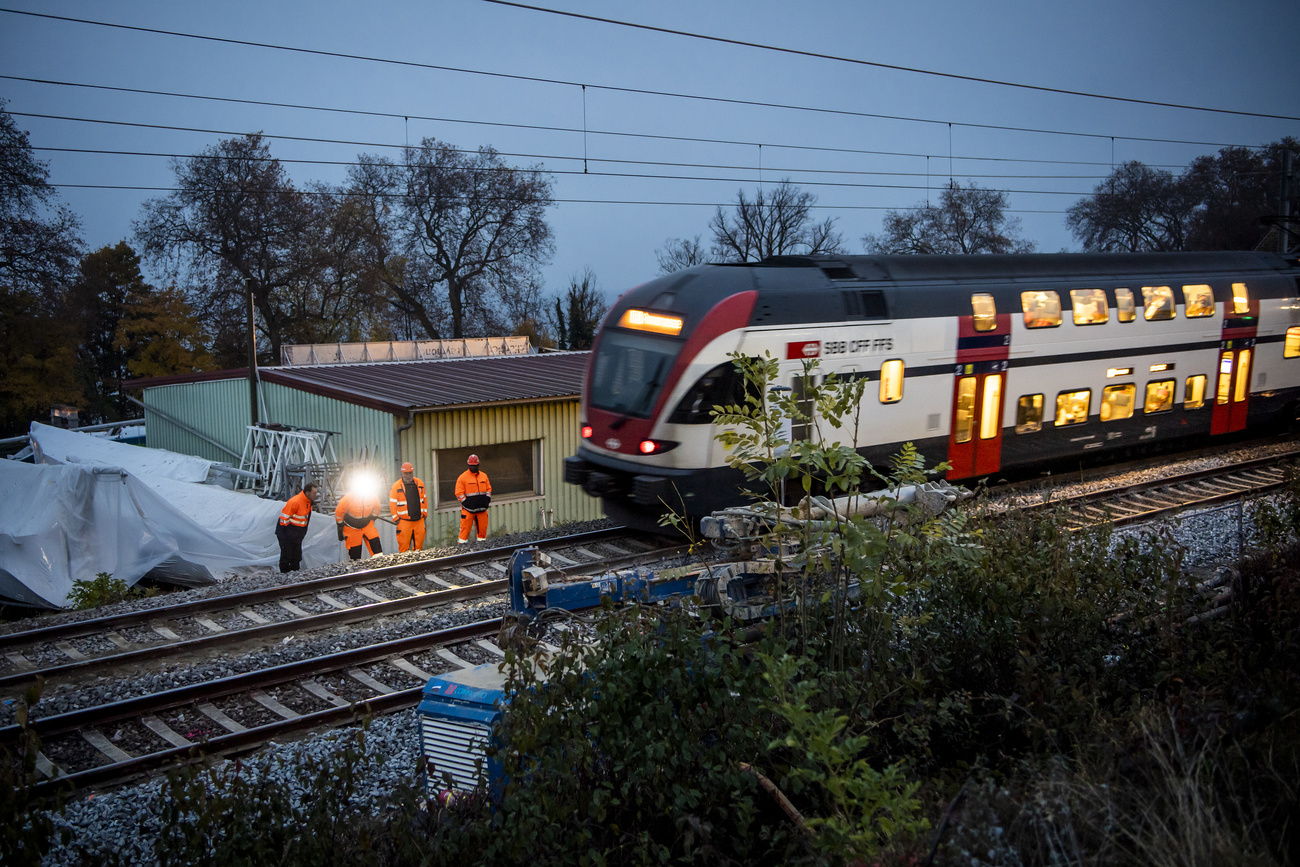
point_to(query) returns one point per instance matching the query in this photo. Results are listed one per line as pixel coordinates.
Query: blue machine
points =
(457, 715)
(536, 586)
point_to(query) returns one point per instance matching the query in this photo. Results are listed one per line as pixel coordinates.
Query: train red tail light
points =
(587, 431)
(654, 447)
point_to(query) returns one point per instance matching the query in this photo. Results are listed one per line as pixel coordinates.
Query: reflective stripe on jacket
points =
(472, 483)
(397, 500)
(296, 512)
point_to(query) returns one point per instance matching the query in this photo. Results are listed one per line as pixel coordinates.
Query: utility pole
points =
(1284, 200)
(252, 361)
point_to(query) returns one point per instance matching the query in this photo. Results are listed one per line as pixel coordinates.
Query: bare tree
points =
(678, 254)
(235, 226)
(453, 231)
(1235, 189)
(1136, 209)
(966, 220)
(774, 223)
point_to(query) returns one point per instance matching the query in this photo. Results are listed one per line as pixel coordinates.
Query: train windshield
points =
(628, 372)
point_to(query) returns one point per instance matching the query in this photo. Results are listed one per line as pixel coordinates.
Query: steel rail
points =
(92, 626)
(313, 623)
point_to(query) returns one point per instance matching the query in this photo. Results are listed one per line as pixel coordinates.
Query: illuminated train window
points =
(1117, 401)
(1291, 349)
(1125, 310)
(1157, 302)
(1089, 306)
(1198, 300)
(1240, 298)
(1072, 407)
(1042, 309)
(1160, 396)
(985, 311)
(891, 381)
(1029, 413)
(1194, 396)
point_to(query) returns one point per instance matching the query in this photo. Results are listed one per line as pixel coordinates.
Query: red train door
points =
(975, 443)
(979, 385)
(1232, 390)
(1236, 355)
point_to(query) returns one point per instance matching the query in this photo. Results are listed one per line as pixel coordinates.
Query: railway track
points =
(116, 741)
(1147, 501)
(57, 653)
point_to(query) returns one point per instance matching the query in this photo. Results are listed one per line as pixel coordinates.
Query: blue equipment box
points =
(457, 713)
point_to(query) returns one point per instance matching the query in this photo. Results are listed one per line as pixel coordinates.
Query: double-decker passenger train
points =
(991, 363)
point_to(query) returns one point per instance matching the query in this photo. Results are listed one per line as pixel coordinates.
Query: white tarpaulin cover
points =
(62, 523)
(54, 445)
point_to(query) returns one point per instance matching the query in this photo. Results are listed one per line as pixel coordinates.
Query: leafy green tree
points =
(160, 334)
(965, 220)
(586, 307)
(39, 248)
(96, 304)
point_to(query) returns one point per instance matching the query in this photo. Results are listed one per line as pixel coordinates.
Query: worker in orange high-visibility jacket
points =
(355, 517)
(292, 527)
(475, 493)
(409, 506)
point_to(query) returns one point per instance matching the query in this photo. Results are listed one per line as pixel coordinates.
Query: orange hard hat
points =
(407, 468)
(473, 460)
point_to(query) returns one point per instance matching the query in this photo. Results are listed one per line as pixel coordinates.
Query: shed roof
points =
(404, 386)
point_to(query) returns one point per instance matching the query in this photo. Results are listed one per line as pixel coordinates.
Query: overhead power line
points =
(859, 62)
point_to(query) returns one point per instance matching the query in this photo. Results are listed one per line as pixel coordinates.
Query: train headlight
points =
(587, 431)
(655, 447)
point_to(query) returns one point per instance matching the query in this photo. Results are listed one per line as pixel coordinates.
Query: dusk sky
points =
(674, 124)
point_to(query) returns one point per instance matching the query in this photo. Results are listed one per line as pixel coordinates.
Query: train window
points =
(1089, 306)
(1194, 396)
(985, 311)
(724, 385)
(1158, 302)
(1240, 298)
(1243, 376)
(628, 372)
(1117, 401)
(990, 423)
(1072, 407)
(1042, 309)
(1198, 300)
(891, 381)
(1125, 311)
(1291, 349)
(1160, 396)
(965, 421)
(1029, 413)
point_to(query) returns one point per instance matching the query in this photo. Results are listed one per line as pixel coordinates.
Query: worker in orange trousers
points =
(474, 491)
(355, 517)
(409, 506)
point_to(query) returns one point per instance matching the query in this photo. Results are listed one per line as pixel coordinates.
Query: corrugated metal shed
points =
(401, 386)
(523, 410)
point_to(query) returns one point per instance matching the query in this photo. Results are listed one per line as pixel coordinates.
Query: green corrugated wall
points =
(220, 411)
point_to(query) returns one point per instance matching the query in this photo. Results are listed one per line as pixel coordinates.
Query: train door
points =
(1232, 390)
(975, 442)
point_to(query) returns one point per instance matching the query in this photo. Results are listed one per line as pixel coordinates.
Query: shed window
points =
(511, 467)
(1240, 298)
(1042, 309)
(891, 381)
(985, 311)
(1198, 300)
(1089, 306)
(1194, 396)
(1029, 413)
(1291, 349)
(1117, 401)
(1072, 407)
(1157, 302)
(1160, 396)
(1125, 310)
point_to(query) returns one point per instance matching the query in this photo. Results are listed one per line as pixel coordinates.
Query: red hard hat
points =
(407, 468)
(473, 460)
